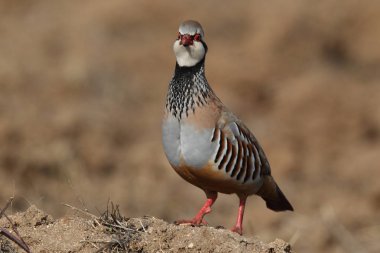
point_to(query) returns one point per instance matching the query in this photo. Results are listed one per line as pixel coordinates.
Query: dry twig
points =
(124, 233)
(16, 239)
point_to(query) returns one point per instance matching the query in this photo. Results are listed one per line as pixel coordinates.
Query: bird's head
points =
(190, 48)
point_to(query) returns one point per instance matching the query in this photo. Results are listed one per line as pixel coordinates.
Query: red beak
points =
(186, 40)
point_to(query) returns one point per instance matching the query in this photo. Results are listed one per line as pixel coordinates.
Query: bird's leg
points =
(198, 219)
(238, 228)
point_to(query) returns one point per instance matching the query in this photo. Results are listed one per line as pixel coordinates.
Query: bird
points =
(205, 143)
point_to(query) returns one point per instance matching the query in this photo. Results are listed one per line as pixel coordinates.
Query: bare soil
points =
(78, 233)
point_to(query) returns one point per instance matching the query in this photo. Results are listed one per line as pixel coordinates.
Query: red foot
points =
(195, 222)
(238, 230)
(198, 219)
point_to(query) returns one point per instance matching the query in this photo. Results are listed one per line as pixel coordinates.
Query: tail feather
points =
(273, 196)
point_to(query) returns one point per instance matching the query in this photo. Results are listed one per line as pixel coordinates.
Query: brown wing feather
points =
(244, 135)
(265, 167)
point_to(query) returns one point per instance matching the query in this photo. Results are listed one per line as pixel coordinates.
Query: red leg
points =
(198, 219)
(238, 228)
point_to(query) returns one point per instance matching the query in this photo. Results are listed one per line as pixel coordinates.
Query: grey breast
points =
(171, 139)
(186, 141)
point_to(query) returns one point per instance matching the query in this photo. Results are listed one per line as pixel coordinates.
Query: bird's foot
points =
(237, 229)
(194, 222)
(198, 219)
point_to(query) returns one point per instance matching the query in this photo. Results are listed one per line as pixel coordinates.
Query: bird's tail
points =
(273, 195)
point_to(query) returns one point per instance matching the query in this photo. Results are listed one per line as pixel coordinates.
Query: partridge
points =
(205, 143)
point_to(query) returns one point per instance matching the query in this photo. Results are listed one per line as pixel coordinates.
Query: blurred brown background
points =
(82, 89)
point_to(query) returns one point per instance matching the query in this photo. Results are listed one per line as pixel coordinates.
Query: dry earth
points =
(77, 233)
(82, 89)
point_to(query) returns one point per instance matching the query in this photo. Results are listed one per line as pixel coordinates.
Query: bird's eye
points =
(179, 36)
(197, 37)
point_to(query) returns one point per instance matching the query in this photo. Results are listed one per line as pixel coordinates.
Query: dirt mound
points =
(110, 233)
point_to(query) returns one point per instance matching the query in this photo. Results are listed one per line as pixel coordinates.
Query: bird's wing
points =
(239, 152)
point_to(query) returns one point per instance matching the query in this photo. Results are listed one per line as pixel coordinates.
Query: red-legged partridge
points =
(205, 143)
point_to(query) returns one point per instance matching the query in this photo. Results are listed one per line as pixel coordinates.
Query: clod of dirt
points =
(33, 217)
(147, 234)
(6, 246)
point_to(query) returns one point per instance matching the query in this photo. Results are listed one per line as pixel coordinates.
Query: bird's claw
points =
(237, 229)
(193, 222)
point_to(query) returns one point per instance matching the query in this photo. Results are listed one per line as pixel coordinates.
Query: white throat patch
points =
(189, 56)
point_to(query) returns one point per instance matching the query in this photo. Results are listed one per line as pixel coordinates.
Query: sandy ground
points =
(82, 89)
(80, 232)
